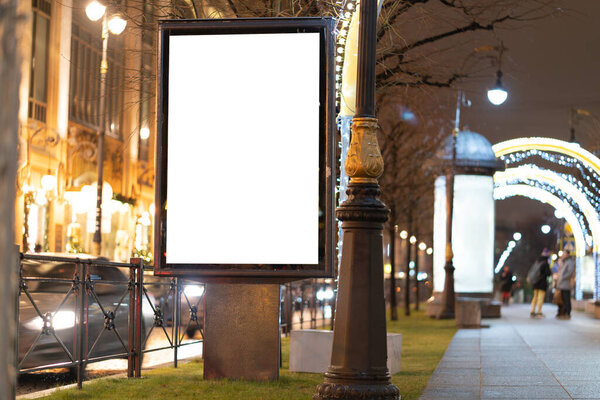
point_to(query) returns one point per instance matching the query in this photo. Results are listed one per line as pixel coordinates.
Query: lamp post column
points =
(100, 148)
(449, 297)
(358, 368)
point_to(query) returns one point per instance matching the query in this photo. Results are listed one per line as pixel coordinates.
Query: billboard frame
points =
(327, 151)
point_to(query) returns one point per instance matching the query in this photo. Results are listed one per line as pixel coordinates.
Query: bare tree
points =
(412, 126)
(9, 111)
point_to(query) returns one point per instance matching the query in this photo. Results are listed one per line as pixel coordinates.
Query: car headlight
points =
(58, 321)
(194, 290)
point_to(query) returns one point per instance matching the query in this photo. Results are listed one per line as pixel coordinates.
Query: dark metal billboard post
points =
(358, 367)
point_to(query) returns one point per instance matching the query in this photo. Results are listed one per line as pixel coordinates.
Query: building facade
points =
(60, 121)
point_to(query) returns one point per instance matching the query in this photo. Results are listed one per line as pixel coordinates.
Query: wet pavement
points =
(518, 357)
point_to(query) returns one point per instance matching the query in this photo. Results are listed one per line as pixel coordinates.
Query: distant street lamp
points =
(545, 229)
(517, 236)
(115, 24)
(449, 296)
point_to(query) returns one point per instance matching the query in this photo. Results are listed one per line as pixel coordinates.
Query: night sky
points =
(550, 66)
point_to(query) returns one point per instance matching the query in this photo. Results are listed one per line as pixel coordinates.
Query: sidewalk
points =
(521, 358)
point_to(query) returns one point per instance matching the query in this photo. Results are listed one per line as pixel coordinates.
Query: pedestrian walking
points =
(506, 284)
(566, 272)
(538, 277)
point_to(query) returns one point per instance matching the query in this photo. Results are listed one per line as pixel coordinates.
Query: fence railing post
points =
(131, 319)
(176, 317)
(138, 308)
(82, 325)
(289, 318)
(17, 253)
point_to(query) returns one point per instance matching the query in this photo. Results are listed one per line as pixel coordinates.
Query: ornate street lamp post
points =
(358, 368)
(115, 24)
(449, 297)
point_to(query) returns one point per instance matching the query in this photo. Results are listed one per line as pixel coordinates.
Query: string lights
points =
(577, 190)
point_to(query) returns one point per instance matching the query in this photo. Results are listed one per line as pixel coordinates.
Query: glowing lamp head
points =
(497, 95)
(95, 10)
(422, 246)
(413, 240)
(144, 133)
(403, 234)
(48, 182)
(517, 236)
(545, 229)
(429, 251)
(116, 24)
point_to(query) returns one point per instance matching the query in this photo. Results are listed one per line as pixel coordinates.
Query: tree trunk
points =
(393, 300)
(407, 271)
(9, 111)
(416, 277)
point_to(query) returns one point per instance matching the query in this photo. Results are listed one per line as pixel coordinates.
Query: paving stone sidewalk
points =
(521, 358)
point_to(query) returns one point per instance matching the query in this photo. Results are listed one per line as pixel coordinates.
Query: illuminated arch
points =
(549, 177)
(548, 144)
(535, 193)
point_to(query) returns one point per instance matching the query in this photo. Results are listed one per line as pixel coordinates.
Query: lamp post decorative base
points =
(335, 391)
(358, 367)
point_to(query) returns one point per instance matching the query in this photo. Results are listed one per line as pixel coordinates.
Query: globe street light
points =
(115, 24)
(517, 236)
(497, 95)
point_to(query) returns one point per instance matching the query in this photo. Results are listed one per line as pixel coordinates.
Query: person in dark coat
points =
(540, 285)
(506, 284)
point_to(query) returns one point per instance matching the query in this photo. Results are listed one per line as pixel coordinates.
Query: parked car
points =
(48, 340)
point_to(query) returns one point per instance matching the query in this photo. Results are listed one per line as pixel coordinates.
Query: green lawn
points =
(423, 343)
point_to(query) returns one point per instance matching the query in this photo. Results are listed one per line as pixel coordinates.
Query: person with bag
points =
(566, 271)
(538, 278)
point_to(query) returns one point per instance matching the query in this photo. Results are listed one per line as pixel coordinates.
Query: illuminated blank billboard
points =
(244, 151)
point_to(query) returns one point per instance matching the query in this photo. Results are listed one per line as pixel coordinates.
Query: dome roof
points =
(472, 150)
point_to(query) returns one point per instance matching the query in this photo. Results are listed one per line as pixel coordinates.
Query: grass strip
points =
(424, 342)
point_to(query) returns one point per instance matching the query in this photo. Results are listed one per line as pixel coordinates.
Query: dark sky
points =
(550, 66)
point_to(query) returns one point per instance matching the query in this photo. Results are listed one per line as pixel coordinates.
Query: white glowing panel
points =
(243, 149)
(472, 234)
(587, 273)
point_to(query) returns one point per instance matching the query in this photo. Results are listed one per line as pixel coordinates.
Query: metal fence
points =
(76, 311)
(307, 304)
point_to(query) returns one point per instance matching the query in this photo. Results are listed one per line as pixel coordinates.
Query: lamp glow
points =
(403, 234)
(95, 10)
(144, 133)
(497, 95)
(116, 25)
(545, 229)
(429, 251)
(48, 182)
(413, 240)
(517, 236)
(422, 246)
